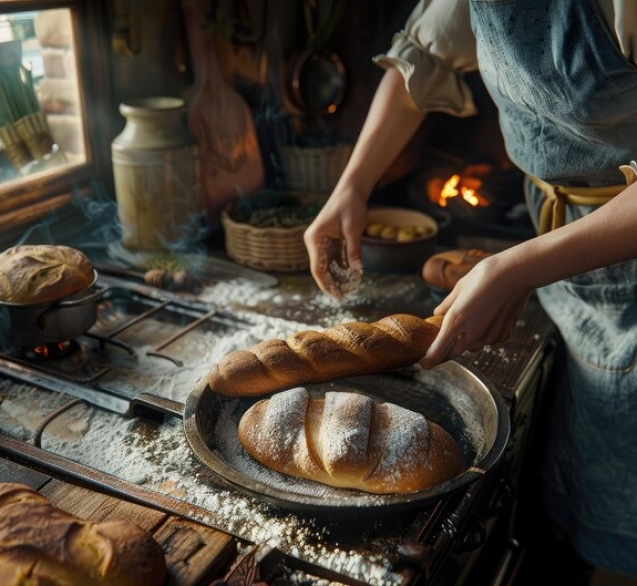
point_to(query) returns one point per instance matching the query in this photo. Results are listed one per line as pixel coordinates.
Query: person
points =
(563, 78)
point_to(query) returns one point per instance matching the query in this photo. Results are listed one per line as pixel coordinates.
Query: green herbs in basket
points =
(274, 209)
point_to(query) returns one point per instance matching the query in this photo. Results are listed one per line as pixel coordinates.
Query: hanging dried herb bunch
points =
(17, 94)
(24, 129)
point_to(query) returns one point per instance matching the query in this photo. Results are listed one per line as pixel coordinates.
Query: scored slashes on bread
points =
(348, 349)
(349, 440)
(42, 273)
(41, 544)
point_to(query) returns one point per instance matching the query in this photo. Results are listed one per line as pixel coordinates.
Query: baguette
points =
(41, 544)
(348, 349)
(349, 440)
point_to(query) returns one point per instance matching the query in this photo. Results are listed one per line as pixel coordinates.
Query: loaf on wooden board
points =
(41, 544)
(349, 440)
(344, 350)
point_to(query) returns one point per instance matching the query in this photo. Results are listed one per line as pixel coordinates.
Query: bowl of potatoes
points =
(398, 240)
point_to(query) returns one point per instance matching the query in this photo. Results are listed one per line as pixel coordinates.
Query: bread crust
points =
(344, 350)
(41, 544)
(43, 273)
(349, 440)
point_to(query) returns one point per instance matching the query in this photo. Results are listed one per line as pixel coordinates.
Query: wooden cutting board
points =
(231, 164)
(195, 554)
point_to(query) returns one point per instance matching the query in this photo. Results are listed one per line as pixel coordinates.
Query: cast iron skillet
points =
(454, 396)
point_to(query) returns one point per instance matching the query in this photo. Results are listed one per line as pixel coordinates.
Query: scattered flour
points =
(346, 280)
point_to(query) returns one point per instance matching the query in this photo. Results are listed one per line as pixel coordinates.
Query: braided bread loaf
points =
(349, 440)
(348, 349)
(41, 544)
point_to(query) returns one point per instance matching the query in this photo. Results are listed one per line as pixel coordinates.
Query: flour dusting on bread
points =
(349, 440)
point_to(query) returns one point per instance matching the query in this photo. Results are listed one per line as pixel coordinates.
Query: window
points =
(53, 73)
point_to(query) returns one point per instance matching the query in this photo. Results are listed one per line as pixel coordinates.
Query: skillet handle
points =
(155, 407)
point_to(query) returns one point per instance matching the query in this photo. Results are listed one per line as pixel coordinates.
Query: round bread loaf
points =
(42, 273)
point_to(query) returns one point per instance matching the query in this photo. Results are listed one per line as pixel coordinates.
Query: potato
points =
(407, 233)
(398, 233)
(389, 232)
(424, 231)
(374, 229)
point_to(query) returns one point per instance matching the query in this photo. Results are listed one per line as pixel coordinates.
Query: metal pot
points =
(56, 321)
(452, 395)
(318, 81)
(394, 256)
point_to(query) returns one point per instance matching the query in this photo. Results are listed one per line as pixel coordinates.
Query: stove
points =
(108, 411)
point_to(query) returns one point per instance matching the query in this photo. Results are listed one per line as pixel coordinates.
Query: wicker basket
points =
(315, 169)
(35, 133)
(265, 231)
(269, 249)
(15, 148)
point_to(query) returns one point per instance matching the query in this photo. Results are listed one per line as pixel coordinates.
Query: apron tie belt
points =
(553, 210)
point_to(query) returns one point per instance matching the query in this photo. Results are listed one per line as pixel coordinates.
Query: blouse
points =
(436, 48)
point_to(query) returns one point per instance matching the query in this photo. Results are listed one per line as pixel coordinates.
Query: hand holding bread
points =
(349, 440)
(41, 544)
(348, 349)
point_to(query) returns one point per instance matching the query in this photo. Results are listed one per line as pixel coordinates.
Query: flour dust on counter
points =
(24, 407)
(298, 299)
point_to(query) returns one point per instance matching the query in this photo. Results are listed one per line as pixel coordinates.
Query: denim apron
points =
(561, 85)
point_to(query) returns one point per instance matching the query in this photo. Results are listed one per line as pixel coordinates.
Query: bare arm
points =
(486, 303)
(392, 120)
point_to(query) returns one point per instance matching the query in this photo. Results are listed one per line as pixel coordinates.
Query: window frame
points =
(27, 199)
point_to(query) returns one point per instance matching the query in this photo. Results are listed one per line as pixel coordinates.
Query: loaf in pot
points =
(42, 273)
(41, 544)
(348, 349)
(349, 440)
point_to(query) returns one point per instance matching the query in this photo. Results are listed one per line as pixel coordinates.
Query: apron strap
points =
(553, 210)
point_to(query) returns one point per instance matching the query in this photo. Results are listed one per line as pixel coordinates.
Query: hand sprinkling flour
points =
(342, 277)
(346, 279)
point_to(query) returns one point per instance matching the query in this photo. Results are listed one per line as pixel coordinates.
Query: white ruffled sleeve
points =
(433, 52)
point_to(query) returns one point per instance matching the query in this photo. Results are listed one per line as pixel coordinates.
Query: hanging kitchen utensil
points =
(317, 75)
(221, 121)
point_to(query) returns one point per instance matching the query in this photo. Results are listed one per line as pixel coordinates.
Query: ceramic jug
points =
(156, 174)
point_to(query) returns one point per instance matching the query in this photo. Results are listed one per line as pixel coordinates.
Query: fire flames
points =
(463, 186)
(49, 351)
